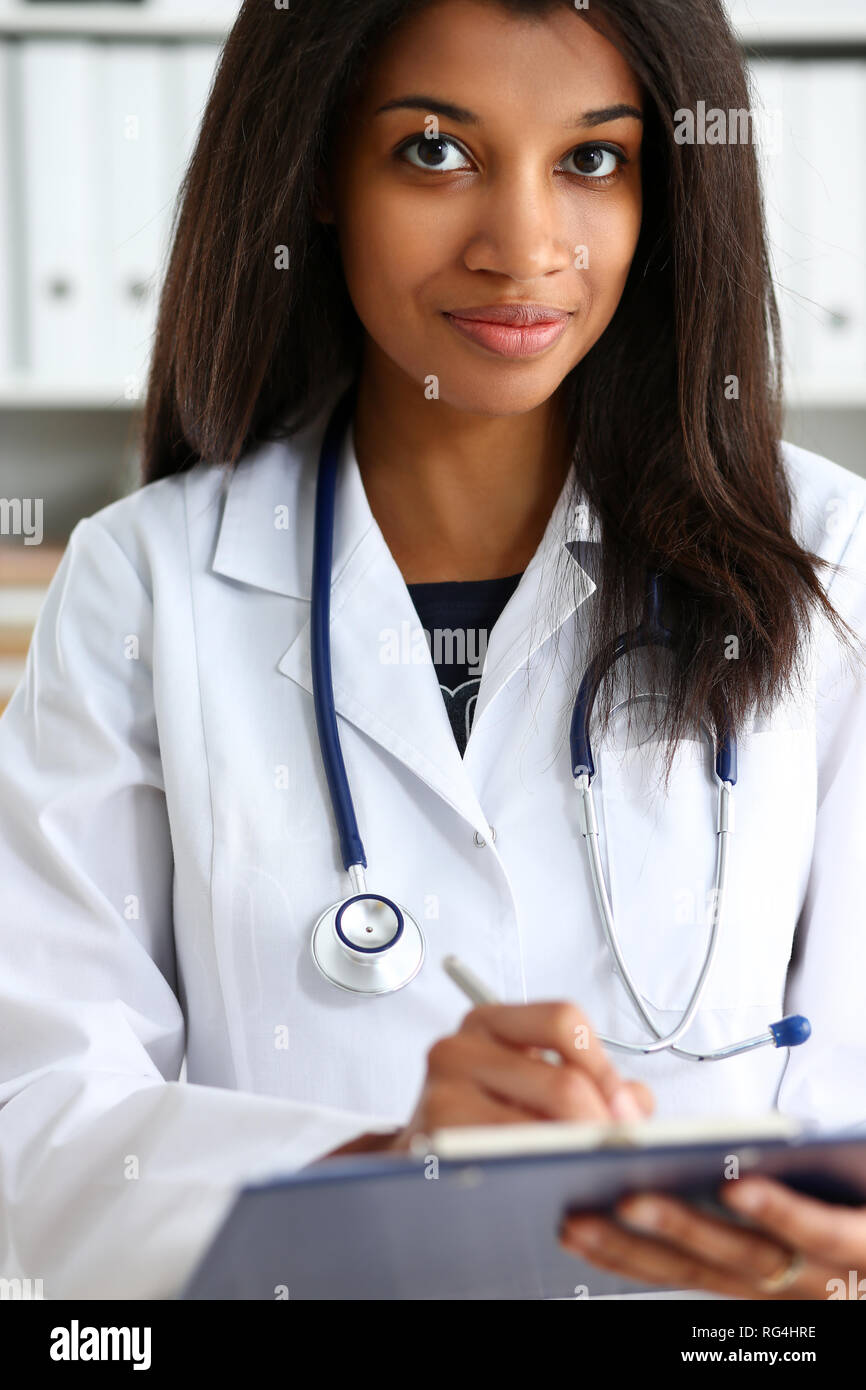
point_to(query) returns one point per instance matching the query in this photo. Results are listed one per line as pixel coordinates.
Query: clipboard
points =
(467, 1223)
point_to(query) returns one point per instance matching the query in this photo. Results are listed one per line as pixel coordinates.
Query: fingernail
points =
(641, 1211)
(747, 1197)
(584, 1233)
(624, 1106)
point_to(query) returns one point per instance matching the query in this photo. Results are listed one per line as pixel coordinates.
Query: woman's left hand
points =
(685, 1249)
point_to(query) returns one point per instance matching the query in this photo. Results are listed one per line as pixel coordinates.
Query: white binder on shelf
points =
(767, 77)
(197, 63)
(139, 158)
(188, 70)
(107, 129)
(65, 207)
(815, 200)
(835, 176)
(780, 86)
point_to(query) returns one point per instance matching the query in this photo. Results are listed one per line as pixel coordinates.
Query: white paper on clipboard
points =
(566, 1136)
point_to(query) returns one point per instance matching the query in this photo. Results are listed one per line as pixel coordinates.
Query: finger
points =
(748, 1255)
(458, 1102)
(648, 1261)
(560, 1027)
(643, 1095)
(556, 1093)
(829, 1233)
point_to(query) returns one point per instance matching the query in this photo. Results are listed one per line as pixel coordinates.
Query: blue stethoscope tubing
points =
(366, 943)
(351, 846)
(369, 944)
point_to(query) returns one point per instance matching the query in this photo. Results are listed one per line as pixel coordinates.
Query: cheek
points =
(387, 248)
(611, 238)
(388, 254)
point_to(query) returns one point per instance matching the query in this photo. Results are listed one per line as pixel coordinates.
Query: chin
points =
(506, 396)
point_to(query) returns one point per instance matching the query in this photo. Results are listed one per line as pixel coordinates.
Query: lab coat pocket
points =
(660, 852)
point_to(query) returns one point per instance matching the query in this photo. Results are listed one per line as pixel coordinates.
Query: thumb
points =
(644, 1097)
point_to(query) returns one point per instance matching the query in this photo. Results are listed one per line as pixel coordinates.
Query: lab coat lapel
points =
(384, 680)
(553, 585)
(383, 676)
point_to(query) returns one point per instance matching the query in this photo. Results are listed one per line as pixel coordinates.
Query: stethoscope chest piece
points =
(367, 944)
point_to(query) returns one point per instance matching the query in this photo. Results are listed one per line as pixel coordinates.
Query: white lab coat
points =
(166, 843)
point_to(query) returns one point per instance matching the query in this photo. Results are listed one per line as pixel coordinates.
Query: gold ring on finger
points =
(783, 1278)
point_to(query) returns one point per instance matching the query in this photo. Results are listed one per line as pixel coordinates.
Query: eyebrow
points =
(466, 117)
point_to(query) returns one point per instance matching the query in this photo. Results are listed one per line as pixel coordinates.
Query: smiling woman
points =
(450, 313)
(482, 212)
(465, 250)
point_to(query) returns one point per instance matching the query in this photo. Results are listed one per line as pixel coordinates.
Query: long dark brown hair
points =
(685, 476)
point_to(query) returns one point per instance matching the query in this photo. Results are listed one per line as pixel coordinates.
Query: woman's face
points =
(529, 191)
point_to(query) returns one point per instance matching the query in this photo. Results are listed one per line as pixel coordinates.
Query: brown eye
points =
(597, 161)
(441, 155)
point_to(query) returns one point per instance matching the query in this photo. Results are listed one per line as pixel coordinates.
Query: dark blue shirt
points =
(457, 617)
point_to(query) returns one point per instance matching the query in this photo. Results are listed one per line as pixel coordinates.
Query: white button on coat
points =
(167, 842)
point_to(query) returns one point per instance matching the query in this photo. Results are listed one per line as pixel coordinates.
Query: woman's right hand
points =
(491, 1072)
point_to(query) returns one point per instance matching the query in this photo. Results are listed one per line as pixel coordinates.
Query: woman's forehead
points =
(555, 63)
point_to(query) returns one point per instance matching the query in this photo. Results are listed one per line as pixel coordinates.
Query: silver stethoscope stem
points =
(664, 1041)
(733, 1050)
(358, 878)
(790, 1031)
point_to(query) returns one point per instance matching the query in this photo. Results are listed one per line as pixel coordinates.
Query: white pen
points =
(478, 993)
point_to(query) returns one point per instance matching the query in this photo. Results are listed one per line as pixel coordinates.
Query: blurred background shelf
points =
(756, 21)
(25, 393)
(109, 21)
(192, 19)
(798, 22)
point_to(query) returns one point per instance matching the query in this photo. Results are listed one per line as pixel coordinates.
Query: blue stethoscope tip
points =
(791, 1031)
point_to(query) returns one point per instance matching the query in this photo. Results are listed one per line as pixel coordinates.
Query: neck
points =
(456, 495)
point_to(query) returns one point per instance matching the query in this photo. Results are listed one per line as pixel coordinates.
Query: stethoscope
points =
(366, 944)
(370, 944)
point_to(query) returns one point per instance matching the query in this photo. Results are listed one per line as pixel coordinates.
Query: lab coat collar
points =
(266, 539)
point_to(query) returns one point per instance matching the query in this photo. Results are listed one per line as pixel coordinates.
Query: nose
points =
(520, 229)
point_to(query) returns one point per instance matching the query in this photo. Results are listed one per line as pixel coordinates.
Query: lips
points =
(514, 315)
(510, 330)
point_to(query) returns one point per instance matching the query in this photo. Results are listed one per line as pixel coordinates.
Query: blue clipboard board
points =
(382, 1227)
